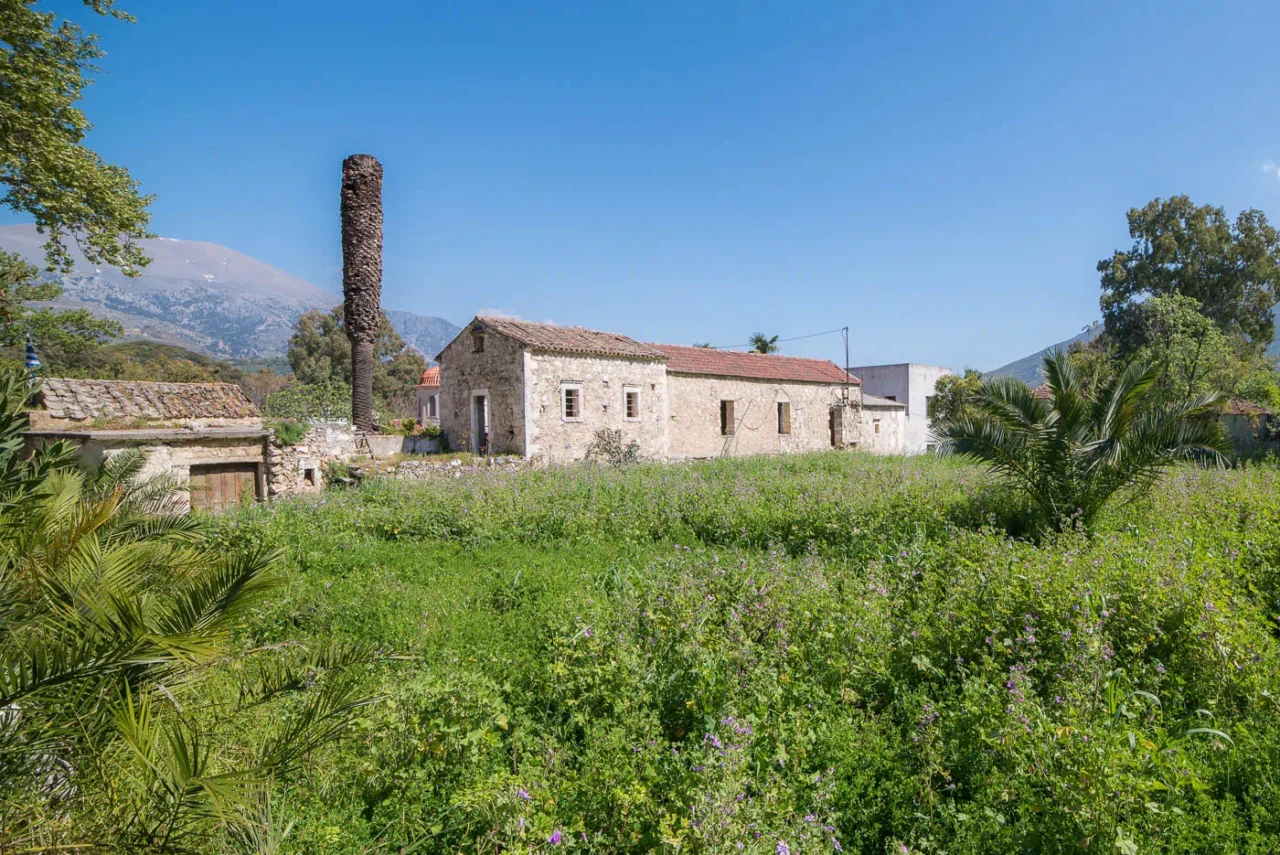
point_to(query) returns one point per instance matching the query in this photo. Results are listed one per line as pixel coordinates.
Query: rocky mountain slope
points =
(1030, 368)
(206, 297)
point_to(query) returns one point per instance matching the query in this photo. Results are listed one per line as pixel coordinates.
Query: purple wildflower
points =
(555, 838)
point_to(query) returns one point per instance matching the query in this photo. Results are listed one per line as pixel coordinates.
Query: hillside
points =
(205, 297)
(1028, 368)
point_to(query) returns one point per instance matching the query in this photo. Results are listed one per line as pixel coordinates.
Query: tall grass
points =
(817, 653)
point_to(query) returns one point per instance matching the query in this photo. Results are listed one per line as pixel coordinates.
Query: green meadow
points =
(820, 653)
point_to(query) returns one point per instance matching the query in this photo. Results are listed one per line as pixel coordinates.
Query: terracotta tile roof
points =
(874, 401)
(127, 399)
(1241, 407)
(1043, 392)
(751, 366)
(430, 377)
(558, 339)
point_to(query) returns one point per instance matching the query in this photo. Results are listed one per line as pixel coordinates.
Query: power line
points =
(781, 340)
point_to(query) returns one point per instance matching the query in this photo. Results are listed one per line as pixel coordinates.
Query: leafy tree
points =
(320, 352)
(1262, 386)
(1231, 269)
(1193, 355)
(761, 343)
(262, 384)
(952, 396)
(362, 277)
(120, 729)
(329, 400)
(1070, 454)
(63, 335)
(141, 360)
(45, 169)
(1094, 361)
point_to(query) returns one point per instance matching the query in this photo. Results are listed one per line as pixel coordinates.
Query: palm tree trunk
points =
(362, 384)
(362, 275)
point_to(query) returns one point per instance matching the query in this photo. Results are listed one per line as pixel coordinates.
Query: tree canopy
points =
(63, 335)
(320, 352)
(45, 169)
(953, 395)
(761, 343)
(1231, 269)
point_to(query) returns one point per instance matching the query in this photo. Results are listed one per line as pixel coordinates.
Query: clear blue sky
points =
(941, 177)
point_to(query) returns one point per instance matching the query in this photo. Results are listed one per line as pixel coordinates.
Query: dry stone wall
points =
(300, 468)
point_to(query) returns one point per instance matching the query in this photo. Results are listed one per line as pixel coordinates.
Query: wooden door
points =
(222, 486)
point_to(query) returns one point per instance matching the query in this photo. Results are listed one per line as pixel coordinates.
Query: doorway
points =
(835, 422)
(480, 424)
(223, 486)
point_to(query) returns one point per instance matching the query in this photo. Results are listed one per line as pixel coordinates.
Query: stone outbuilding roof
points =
(430, 377)
(874, 401)
(128, 399)
(751, 366)
(558, 339)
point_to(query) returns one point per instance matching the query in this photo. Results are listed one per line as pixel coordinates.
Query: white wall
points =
(908, 384)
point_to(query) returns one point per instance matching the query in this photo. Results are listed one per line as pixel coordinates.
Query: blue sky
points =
(941, 177)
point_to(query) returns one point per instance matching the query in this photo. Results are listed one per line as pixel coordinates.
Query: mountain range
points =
(205, 297)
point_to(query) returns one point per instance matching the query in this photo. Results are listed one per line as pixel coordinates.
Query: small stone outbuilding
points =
(207, 436)
(544, 392)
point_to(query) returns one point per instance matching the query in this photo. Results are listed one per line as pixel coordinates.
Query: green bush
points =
(411, 427)
(310, 402)
(288, 432)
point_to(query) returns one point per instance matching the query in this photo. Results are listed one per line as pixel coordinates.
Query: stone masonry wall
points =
(892, 437)
(695, 416)
(174, 458)
(499, 372)
(300, 468)
(604, 382)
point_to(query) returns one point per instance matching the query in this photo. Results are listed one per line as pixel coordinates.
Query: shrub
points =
(411, 427)
(608, 447)
(1070, 453)
(288, 432)
(329, 401)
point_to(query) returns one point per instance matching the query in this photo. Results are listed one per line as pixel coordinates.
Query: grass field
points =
(808, 654)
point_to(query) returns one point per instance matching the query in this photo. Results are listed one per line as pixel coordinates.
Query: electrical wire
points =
(781, 340)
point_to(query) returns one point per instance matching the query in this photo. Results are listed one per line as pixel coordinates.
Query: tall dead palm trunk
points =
(362, 275)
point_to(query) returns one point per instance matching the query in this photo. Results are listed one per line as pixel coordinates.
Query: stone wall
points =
(695, 416)
(603, 383)
(892, 435)
(300, 468)
(498, 372)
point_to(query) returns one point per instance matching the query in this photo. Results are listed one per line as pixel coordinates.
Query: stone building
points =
(427, 408)
(208, 436)
(544, 391)
(912, 386)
